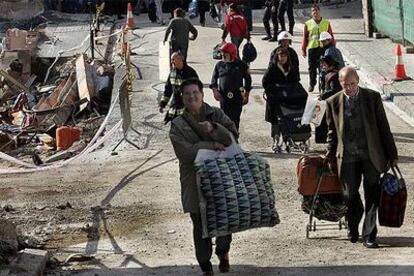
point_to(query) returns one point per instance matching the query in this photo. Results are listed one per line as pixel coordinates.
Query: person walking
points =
(236, 25)
(285, 40)
(286, 6)
(160, 14)
(180, 29)
(279, 74)
(311, 46)
(331, 86)
(361, 144)
(270, 12)
(203, 7)
(231, 83)
(329, 49)
(180, 71)
(200, 127)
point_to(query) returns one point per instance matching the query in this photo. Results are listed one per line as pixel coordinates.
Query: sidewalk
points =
(375, 58)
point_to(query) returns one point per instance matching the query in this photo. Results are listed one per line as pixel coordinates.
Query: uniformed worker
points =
(180, 71)
(231, 83)
(311, 43)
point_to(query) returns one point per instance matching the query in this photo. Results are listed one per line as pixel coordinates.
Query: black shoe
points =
(224, 265)
(273, 39)
(266, 37)
(353, 236)
(371, 244)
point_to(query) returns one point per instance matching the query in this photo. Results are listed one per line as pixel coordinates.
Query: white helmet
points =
(325, 36)
(284, 35)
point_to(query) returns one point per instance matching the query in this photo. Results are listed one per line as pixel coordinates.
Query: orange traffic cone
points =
(399, 69)
(130, 17)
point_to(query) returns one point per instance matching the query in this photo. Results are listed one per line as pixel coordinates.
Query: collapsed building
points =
(50, 100)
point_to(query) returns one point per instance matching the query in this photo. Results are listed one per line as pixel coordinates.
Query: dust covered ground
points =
(125, 209)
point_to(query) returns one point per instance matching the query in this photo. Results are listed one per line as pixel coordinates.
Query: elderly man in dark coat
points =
(360, 139)
(200, 127)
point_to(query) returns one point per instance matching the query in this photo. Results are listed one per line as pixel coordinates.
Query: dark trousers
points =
(268, 14)
(352, 173)
(232, 110)
(286, 6)
(313, 63)
(203, 6)
(247, 13)
(237, 41)
(204, 247)
(275, 130)
(183, 48)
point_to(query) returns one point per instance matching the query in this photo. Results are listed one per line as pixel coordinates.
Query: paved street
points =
(126, 207)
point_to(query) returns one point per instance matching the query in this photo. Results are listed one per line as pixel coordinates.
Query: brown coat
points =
(187, 140)
(381, 145)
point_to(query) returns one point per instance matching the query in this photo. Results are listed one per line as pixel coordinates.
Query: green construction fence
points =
(394, 18)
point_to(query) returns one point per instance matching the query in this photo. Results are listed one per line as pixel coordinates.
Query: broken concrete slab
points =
(74, 149)
(85, 78)
(17, 40)
(29, 262)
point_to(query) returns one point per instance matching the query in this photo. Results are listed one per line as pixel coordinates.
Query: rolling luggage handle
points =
(316, 194)
(312, 224)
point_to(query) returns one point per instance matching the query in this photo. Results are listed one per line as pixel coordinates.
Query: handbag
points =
(393, 199)
(217, 53)
(249, 52)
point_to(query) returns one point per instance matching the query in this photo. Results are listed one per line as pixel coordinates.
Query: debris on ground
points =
(50, 109)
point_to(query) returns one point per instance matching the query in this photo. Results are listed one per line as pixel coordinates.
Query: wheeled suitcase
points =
(309, 169)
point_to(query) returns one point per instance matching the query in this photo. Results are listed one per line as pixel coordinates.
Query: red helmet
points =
(229, 48)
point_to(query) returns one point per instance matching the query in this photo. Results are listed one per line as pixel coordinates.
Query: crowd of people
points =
(355, 128)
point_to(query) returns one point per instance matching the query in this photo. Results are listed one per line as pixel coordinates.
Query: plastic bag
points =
(314, 111)
(318, 112)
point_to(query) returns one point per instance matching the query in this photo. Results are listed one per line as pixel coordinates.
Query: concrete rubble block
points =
(29, 262)
(21, 40)
(8, 238)
(85, 77)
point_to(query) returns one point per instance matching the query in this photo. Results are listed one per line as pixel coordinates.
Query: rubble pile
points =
(49, 106)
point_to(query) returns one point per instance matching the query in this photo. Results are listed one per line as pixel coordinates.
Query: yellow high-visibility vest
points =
(314, 29)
